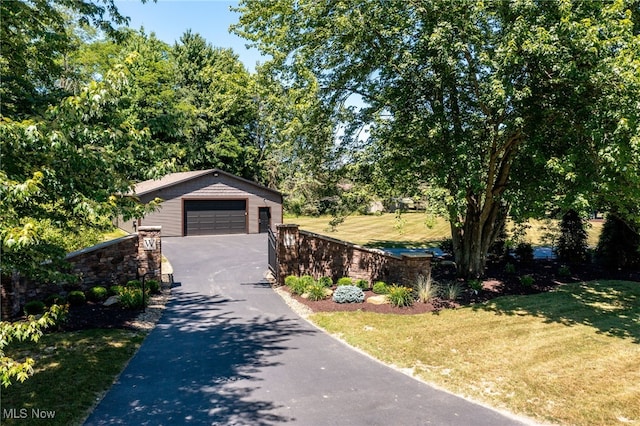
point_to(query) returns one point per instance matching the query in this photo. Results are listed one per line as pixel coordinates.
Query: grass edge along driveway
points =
(566, 357)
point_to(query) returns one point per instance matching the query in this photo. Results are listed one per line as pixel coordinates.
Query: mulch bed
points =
(96, 315)
(495, 284)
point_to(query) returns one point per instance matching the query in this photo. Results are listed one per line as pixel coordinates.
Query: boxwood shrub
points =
(363, 284)
(380, 287)
(76, 298)
(344, 281)
(97, 294)
(153, 286)
(54, 299)
(34, 307)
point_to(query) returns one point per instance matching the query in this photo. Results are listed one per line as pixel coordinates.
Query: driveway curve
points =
(229, 351)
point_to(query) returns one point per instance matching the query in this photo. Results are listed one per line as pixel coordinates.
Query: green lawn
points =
(72, 371)
(569, 357)
(385, 231)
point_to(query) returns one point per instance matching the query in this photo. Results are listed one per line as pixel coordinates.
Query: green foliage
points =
(619, 244)
(510, 268)
(48, 203)
(564, 271)
(291, 280)
(134, 284)
(348, 294)
(527, 280)
(344, 281)
(380, 287)
(475, 285)
(97, 294)
(446, 245)
(400, 296)
(132, 298)
(34, 307)
(307, 280)
(325, 281)
(76, 298)
(462, 96)
(153, 286)
(316, 291)
(363, 284)
(299, 285)
(524, 252)
(426, 289)
(31, 329)
(572, 244)
(453, 291)
(54, 299)
(115, 290)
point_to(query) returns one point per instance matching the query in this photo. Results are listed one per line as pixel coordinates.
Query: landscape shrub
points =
(131, 298)
(307, 280)
(54, 299)
(97, 294)
(344, 281)
(475, 285)
(325, 281)
(524, 252)
(527, 280)
(34, 307)
(452, 291)
(400, 296)
(76, 298)
(291, 280)
(564, 271)
(572, 243)
(348, 294)
(510, 268)
(115, 290)
(317, 292)
(619, 244)
(153, 286)
(300, 285)
(363, 284)
(134, 284)
(380, 287)
(426, 289)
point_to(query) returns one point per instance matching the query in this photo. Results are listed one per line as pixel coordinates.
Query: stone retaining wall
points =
(305, 253)
(109, 263)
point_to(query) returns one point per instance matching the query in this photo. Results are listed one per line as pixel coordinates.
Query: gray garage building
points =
(208, 202)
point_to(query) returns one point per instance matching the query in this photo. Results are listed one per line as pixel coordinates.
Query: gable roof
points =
(171, 179)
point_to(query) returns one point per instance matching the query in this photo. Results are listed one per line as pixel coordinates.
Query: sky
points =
(169, 19)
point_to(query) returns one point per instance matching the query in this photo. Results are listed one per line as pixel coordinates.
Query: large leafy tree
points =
(35, 40)
(223, 111)
(507, 105)
(65, 176)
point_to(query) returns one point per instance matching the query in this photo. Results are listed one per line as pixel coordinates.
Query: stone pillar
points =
(288, 254)
(413, 265)
(150, 252)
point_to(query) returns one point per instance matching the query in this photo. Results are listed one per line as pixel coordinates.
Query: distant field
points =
(385, 231)
(379, 230)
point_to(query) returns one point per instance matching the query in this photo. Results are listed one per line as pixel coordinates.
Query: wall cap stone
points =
(99, 246)
(150, 228)
(348, 244)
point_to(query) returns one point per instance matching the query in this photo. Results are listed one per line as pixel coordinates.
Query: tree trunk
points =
(471, 240)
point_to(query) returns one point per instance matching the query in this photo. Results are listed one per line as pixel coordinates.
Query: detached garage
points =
(208, 202)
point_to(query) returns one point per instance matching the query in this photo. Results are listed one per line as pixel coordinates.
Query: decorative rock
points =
(379, 299)
(112, 301)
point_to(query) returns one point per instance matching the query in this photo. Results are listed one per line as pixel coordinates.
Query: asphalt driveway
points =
(229, 351)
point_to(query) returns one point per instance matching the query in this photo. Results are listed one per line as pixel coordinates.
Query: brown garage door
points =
(211, 217)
